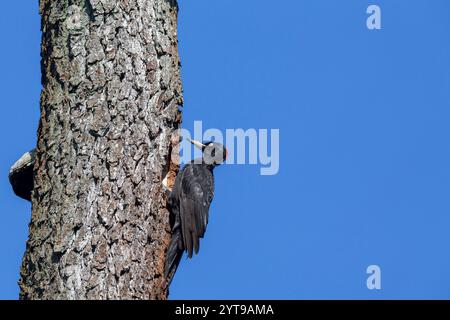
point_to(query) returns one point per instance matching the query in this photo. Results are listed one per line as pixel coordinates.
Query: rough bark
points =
(110, 103)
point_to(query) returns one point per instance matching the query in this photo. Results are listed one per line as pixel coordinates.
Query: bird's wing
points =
(194, 206)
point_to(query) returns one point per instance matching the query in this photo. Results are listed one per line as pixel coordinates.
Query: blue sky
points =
(364, 150)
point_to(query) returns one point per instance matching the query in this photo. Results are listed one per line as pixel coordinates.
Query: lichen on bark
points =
(110, 103)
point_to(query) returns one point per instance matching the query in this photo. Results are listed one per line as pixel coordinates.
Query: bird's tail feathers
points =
(173, 257)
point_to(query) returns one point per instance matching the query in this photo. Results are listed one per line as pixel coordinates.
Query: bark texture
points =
(110, 103)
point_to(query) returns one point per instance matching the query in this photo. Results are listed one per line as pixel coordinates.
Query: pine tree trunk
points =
(109, 106)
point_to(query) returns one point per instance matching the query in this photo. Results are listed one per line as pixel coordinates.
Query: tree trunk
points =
(109, 106)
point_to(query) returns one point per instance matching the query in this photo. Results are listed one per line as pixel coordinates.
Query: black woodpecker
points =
(189, 203)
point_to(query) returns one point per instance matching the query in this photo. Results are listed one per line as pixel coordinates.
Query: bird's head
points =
(214, 153)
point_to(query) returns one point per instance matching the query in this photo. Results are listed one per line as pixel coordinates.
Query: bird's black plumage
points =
(189, 204)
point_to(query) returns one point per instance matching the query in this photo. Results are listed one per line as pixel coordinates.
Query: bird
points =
(189, 203)
(21, 175)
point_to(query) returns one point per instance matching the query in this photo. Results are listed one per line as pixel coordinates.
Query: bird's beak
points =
(199, 145)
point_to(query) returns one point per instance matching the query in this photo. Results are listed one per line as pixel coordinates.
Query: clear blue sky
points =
(365, 159)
